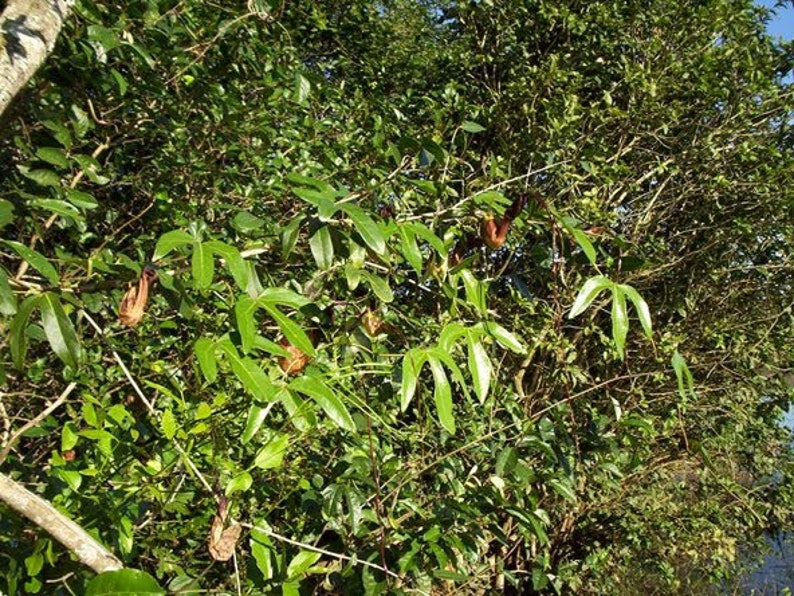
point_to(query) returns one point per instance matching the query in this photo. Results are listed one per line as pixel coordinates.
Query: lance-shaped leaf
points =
(301, 415)
(643, 312)
(447, 359)
(291, 330)
(233, 260)
(322, 247)
(256, 417)
(450, 334)
(442, 395)
(244, 314)
(365, 226)
(17, 333)
(169, 241)
(272, 454)
(253, 378)
(620, 319)
(475, 290)
(330, 403)
(379, 285)
(505, 338)
(59, 330)
(8, 300)
(590, 289)
(36, 260)
(409, 247)
(202, 265)
(412, 365)
(205, 353)
(479, 366)
(683, 376)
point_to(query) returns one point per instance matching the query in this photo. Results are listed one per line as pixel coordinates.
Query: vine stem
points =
(322, 551)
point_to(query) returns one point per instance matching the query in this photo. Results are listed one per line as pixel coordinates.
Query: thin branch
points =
(33, 422)
(64, 530)
(322, 551)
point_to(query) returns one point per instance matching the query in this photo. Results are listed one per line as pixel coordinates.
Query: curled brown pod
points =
(133, 303)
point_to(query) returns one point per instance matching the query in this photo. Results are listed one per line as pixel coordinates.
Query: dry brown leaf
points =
(295, 362)
(372, 323)
(222, 542)
(133, 303)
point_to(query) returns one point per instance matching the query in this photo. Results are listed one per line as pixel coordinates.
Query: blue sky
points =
(782, 24)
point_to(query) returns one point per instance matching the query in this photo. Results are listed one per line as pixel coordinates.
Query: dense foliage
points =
(310, 179)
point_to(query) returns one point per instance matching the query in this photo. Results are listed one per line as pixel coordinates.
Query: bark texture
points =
(28, 30)
(60, 527)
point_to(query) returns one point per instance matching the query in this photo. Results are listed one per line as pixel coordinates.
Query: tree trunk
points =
(28, 30)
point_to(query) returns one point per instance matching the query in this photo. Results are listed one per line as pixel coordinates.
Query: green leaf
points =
(301, 562)
(302, 88)
(683, 377)
(43, 177)
(263, 555)
(36, 260)
(564, 489)
(169, 241)
(239, 484)
(6, 212)
(449, 335)
(584, 242)
(315, 388)
(205, 353)
(322, 247)
(80, 199)
(272, 455)
(470, 126)
(62, 208)
(590, 289)
(168, 424)
(479, 366)
(291, 330)
(412, 365)
(475, 291)
(247, 222)
(244, 311)
(59, 330)
(289, 236)
(233, 261)
(17, 334)
(202, 266)
(129, 582)
(409, 247)
(53, 156)
(379, 285)
(69, 436)
(285, 296)
(620, 319)
(365, 226)
(253, 378)
(442, 395)
(643, 312)
(505, 337)
(8, 300)
(256, 417)
(301, 415)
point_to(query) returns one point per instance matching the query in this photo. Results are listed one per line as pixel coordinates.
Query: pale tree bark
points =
(60, 527)
(28, 30)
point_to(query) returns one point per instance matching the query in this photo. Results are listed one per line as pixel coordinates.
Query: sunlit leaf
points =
(365, 226)
(643, 312)
(36, 260)
(412, 365)
(479, 366)
(442, 395)
(202, 265)
(59, 330)
(330, 403)
(379, 285)
(169, 241)
(272, 454)
(205, 353)
(590, 289)
(620, 319)
(322, 247)
(17, 333)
